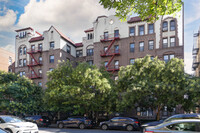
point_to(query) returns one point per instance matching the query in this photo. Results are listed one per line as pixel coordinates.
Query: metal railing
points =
(108, 37)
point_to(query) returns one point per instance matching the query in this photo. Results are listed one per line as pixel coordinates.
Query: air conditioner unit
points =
(132, 34)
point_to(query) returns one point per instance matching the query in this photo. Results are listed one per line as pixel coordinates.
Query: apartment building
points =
(196, 54)
(37, 54)
(6, 59)
(114, 43)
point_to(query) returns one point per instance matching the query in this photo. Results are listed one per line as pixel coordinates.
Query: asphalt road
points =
(74, 130)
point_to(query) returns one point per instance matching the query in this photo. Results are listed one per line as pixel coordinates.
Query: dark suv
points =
(80, 122)
(121, 123)
(39, 120)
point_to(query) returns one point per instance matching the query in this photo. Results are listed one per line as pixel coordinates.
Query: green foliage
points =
(144, 8)
(19, 94)
(79, 89)
(152, 83)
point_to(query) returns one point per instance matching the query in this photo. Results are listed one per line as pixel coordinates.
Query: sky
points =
(72, 17)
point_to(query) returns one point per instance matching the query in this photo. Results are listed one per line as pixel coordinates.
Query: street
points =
(75, 130)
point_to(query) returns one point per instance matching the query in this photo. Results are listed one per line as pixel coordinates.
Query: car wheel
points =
(60, 125)
(9, 130)
(104, 127)
(81, 126)
(129, 127)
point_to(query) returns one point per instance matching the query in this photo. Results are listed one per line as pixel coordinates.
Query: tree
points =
(152, 84)
(144, 8)
(18, 94)
(81, 90)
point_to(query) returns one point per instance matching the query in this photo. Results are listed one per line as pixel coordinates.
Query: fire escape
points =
(108, 52)
(33, 62)
(195, 51)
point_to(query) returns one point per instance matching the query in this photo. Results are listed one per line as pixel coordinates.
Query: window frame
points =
(132, 50)
(90, 52)
(165, 27)
(130, 61)
(140, 30)
(173, 42)
(141, 50)
(151, 47)
(51, 46)
(164, 45)
(150, 29)
(130, 33)
(51, 60)
(172, 26)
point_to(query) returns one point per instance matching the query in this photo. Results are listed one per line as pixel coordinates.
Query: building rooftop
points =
(79, 44)
(89, 30)
(35, 39)
(28, 28)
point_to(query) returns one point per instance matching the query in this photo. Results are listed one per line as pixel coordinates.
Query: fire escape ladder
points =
(34, 58)
(110, 46)
(110, 61)
(33, 71)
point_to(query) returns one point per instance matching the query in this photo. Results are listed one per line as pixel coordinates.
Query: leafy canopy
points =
(144, 8)
(79, 89)
(19, 94)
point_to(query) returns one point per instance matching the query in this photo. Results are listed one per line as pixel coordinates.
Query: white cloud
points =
(193, 14)
(10, 48)
(71, 17)
(7, 21)
(188, 62)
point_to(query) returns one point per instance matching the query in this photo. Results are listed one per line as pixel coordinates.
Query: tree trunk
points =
(58, 115)
(158, 113)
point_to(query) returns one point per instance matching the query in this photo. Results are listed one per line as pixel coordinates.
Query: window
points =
(88, 36)
(116, 48)
(105, 49)
(141, 46)
(79, 53)
(40, 72)
(168, 57)
(22, 34)
(39, 83)
(24, 50)
(24, 62)
(165, 111)
(185, 127)
(172, 25)
(151, 45)
(151, 28)
(105, 63)
(91, 36)
(132, 61)
(10, 60)
(172, 41)
(32, 61)
(132, 31)
(144, 112)
(33, 48)
(40, 60)
(68, 49)
(24, 73)
(165, 26)
(116, 64)
(132, 47)
(51, 69)
(141, 30)
(52, 45)
(51, 59)
(20, 62)
(40, 47)
(90, 52)
(116, 33)
(20, 51)
(90, 62)
(20, 74)
(152, 57)
(105, 35)
(165, 43)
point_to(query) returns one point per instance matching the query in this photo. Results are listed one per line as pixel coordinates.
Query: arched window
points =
(165, 26)
(24, 51)
(20, 50)
(172, 25)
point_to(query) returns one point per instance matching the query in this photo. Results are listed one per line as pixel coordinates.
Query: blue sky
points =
(72, 18)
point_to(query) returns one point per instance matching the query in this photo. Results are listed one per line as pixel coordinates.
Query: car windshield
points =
(11, 119)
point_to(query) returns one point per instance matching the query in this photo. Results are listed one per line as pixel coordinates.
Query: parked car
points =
(79, 122)
(174, 117)
(14, 124)
(176, 126)
(121, 123)
(39, 120)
